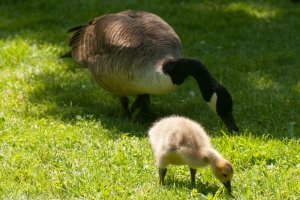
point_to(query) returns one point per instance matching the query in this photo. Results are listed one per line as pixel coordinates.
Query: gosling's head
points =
(224, 172)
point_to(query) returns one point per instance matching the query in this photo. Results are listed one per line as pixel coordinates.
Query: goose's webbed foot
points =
(140, 108)
(142, 103)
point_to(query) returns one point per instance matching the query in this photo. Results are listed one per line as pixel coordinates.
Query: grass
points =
(63, 137)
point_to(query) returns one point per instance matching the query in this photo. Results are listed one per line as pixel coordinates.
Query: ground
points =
(63, 137)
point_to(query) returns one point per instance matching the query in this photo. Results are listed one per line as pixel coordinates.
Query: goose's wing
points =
(127, 35)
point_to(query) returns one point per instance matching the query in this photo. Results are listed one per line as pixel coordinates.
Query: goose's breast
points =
(129, 82)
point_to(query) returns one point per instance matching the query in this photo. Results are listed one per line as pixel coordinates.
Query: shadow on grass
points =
(47, 21)
(204, 189)
(67, 95)
(230, 24)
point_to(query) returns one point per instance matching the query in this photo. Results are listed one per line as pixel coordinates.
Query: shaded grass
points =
(64, 137)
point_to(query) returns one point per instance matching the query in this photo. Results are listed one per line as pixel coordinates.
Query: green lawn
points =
(63, 137)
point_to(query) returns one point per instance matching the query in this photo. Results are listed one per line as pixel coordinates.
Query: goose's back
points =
(127, 47)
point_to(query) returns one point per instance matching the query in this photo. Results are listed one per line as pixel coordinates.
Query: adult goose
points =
(136, 53)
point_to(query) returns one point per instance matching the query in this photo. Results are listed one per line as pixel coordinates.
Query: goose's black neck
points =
(182, 68)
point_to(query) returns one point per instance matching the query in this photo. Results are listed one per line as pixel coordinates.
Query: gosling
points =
(180, 141)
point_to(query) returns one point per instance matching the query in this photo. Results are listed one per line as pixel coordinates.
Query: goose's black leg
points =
(162, 172)
(142, 102)
(193, 174)
(146, 103)
(125, 102)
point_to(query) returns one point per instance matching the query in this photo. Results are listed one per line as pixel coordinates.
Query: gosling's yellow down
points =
(177, 140)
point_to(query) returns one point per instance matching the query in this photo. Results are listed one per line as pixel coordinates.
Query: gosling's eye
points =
(225, 175)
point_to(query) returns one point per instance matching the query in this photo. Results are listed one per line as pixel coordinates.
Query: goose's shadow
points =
(71, 93)
(68, 96)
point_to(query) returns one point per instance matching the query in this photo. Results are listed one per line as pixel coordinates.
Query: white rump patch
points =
(213, 102)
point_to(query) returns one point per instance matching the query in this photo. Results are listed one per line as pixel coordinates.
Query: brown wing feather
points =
(81, 43)
(128, 36)
(75, 28)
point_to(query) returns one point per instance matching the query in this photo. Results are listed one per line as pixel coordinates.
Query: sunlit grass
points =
(261, 81)
(254, 9)
(297, 87)
(63, 137)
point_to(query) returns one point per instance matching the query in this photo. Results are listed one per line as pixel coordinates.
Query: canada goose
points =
(136, 53)
(180, 141)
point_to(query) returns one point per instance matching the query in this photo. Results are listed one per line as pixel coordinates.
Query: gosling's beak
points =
(230, 122)
(228, 186)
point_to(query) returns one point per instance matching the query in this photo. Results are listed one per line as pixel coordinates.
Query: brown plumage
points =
(120, 49)
(136, 53)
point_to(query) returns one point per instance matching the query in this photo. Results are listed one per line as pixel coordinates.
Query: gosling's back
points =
(178, 140)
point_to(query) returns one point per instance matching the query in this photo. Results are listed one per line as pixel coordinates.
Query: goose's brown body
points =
(125, 52)
(136, 53)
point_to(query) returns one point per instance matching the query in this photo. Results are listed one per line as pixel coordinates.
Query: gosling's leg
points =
(193, 174)
(162, 173)
(125, 104)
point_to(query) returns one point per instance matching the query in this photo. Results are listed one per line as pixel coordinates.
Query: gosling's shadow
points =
(203, 188)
